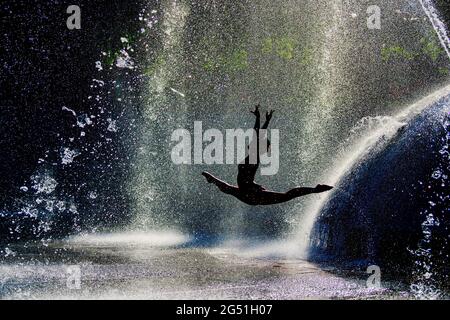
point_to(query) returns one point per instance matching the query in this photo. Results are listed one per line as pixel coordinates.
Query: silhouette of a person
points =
(250, 192)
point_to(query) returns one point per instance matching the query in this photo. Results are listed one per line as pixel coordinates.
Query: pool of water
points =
(101, 268)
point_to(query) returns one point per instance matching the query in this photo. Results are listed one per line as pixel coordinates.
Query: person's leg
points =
(303, 191)
(270, 197)
(299, 192)
(222, 185)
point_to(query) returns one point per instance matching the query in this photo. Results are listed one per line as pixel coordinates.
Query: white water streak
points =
(160, 238)
(437, 23)
(357, 152)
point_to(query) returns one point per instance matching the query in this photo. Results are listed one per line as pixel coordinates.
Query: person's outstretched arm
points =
(268, 118)
(255, 140)
(258, 118)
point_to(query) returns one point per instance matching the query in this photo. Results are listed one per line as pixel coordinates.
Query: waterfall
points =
(373, 134)
(437, 24)
(423, 286)
(97, 191)
(317, 65)
(380, 127)
(160, 111)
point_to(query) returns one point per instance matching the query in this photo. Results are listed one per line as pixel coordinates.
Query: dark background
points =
(444, 7)
(45, 67)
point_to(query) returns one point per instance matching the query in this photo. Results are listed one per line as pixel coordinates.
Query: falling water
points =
(424, 284)
(160, 112)
(340, 91)
(371, 134)
(437, 23)
(314, 65)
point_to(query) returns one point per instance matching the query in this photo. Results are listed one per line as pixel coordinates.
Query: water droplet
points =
(436, 174)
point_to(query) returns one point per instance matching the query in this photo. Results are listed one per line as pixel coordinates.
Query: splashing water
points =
(124, 60)
(160, 238)
(308, 67)
(43, 183)
(377, 133)
(425, 285)
(437, 23)
(68, 156)
(308, 70)
(319, 83)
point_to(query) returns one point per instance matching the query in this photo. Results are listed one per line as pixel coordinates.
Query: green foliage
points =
(287, 49)
(307, 56)
(431, 48)
(444, 71)
(283, 47)
(235, 61)
(388, 52)
(238, 60)
(209, 65)
(157, 64)
(116, 44)
(111, 57)
(267, 46)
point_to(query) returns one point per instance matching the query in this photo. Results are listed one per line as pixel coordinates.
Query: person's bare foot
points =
(322, 188)
(208, 176)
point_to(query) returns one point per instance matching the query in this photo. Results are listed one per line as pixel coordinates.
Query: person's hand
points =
(269, 115)
(256, 112)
